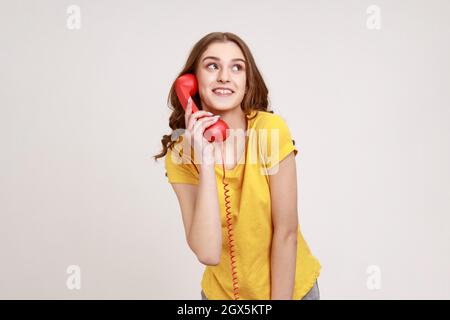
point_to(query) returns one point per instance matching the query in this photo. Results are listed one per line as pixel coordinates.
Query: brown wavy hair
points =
(255, 98)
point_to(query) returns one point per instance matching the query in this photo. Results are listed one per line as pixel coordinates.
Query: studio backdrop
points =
(85, 211)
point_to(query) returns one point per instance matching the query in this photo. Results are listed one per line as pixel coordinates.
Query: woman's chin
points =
(222, 107)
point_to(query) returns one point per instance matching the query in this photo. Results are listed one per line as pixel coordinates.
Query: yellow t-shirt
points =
(251, 214)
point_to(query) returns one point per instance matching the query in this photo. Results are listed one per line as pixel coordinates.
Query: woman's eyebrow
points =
(216, 58)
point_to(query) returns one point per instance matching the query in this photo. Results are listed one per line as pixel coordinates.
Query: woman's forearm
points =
(205, 234)
(283, 264)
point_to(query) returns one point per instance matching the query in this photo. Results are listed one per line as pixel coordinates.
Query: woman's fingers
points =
(196, 123)
(194, 117)
(188, 111)
(196, 135)
(204, 123)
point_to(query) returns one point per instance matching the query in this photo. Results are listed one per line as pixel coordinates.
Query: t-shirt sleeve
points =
(178, 170)
(276, 143)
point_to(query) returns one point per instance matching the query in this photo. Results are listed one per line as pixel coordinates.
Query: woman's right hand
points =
(196, 124)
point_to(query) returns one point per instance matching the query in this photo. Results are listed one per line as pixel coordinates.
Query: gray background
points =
(82, 112)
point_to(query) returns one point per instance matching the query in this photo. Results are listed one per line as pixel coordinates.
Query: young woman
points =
(243, 226)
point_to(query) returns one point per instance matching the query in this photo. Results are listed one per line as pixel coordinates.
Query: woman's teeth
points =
(222, 92)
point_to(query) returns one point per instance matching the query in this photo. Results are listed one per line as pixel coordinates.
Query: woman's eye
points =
(212, 64)
(239, 67)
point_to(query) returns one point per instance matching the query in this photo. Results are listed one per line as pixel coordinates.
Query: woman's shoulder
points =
(268, 120)
(179, 152)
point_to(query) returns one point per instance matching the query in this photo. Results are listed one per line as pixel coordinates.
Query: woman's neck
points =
(234, 118)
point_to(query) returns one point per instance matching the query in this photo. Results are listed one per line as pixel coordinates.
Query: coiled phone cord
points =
(230, 232)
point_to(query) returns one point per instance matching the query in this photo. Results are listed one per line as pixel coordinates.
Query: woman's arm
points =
(201, 215)
(283, 193)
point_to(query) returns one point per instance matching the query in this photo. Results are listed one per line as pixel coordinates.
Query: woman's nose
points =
(223, 76)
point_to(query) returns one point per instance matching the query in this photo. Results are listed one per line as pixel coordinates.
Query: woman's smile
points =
(222, 92)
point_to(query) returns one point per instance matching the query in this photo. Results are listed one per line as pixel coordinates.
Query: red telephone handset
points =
(185, 87)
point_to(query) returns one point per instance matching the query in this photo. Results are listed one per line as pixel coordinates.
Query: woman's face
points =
(222, 65)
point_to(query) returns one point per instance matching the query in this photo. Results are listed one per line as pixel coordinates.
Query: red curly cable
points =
(230, 235)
